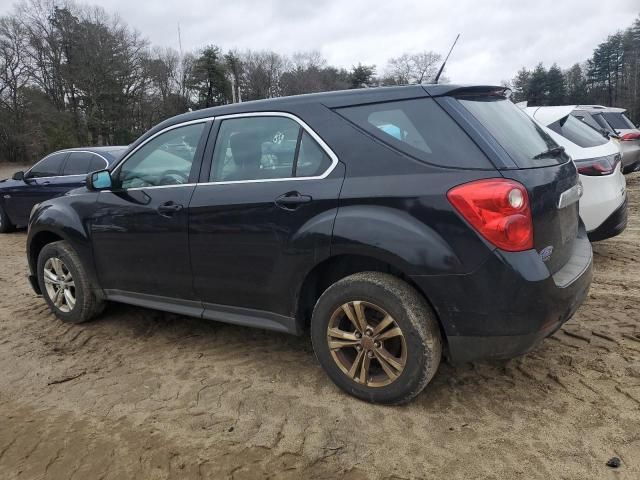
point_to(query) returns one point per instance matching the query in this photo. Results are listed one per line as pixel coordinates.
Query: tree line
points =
(611, 77)
(72, 74)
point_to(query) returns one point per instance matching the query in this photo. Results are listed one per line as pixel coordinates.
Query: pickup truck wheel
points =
(65, 285)
(376, 337)
(5, 224)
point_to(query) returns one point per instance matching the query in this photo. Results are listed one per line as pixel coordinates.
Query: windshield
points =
(618, 120)
(578, 132)
(525, 142)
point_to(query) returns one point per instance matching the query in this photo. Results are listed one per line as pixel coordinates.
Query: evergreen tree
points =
(556, 92)
(362, 75)
(520, 85)
(209, 79)
(576, 85)
(537, 86)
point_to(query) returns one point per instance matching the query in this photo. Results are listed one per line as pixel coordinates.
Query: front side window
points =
(49, 167)
(578, 132)
(263, 148)
(165, 160)
(78, 163)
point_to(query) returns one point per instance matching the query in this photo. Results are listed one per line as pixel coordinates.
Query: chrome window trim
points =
(305, 127)
(66, 151)
(299, 121)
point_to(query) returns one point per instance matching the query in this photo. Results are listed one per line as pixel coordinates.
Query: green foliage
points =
(556, 91)
(362, 75)
(611, 77)
(209, 80)
(520, 85)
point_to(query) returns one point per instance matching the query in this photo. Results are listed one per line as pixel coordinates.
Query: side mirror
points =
(18, 175)
(100, 180)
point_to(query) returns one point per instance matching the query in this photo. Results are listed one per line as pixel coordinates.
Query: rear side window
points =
(78, 163)
(420, 128)
(97, 163)
(312, 160)
(527, 144)
(617, 120)
(264, 148)
(49, 166)
(578, 132)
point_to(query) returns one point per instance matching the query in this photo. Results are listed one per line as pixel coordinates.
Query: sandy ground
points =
(143, 394)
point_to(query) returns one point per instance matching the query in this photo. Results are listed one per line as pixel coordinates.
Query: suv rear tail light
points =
(627, 137)
(596, 167)
(498, 209)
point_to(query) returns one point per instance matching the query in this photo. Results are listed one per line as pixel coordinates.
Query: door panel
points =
(140, 248)
(41, 183)
(248, 251)
(139, 229)
(24, 196)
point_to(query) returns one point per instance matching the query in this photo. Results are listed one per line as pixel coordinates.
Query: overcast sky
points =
(498, 37)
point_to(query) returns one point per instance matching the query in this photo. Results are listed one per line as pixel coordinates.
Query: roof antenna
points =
(445, 60)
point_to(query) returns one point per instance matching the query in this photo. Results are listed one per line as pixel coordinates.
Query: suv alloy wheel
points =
(65, 285)
(376, 337)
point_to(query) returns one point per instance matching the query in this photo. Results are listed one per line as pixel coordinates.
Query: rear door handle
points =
(292, 200)
(169, 208)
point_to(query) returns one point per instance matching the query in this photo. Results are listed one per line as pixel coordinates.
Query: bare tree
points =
(14, 70)
(413, 68)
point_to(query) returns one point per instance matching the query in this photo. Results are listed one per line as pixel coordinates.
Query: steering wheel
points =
(174, 177)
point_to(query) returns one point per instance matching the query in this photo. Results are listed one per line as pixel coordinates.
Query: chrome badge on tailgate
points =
(571, 196)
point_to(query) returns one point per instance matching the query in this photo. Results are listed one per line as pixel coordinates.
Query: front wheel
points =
(376, 337)
(65, 285)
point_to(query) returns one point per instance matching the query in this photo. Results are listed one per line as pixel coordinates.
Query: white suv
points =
(603, 206)
(613, 122)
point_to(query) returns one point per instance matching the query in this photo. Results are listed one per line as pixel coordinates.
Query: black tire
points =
(87, 304)
(5, 223)
(412, 315)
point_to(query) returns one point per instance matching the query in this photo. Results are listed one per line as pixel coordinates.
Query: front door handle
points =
(292, 200)
(169, 208)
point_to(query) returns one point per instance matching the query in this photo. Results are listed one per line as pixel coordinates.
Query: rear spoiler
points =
(457, 90)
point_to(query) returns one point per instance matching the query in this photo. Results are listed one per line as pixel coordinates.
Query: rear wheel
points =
(65, 285)
(5, 224)
(376, 337)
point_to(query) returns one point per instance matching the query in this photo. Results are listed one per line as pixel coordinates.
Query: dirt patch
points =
(143, 394)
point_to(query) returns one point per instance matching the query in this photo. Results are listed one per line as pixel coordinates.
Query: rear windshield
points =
(578, 132)
(526, 143)
(617, 120)
(419, 128)
(592, 121)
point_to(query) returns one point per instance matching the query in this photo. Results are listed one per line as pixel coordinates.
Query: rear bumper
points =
(602, 196)
(510, 304)
(612, 226)
(630, 155)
